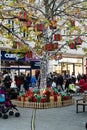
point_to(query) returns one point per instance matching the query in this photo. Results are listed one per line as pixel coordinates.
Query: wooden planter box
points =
(18, 103)
(45, 105)
(37, 105)
(68, 102)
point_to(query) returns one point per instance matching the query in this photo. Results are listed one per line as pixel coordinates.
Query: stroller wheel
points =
(11, 113)
(5, 116)
(0, 115)
(17, 114)
(86, 125)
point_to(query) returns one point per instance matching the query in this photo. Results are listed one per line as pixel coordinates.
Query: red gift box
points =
(34, 99)
(19, 98)
(42, 100)
(23, 15)
(60, 56)
(50, 46)
(66, 97)
(55, 98)
(55, 46)
(20, 15)
(78, 41)
(44, 47)
(52, 27)
(57, 37)
(40, 27)
(29, 55)
(28, 23)
(72, 45)
(72, 22)
(53, 24)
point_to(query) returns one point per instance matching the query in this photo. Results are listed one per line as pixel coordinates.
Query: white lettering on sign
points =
(37, 64)
(16, 56)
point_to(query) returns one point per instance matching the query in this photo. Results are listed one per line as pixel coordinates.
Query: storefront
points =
(67, 65)
(13, 62)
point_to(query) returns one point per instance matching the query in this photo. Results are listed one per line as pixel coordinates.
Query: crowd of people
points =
(60, 81)
(64, 82)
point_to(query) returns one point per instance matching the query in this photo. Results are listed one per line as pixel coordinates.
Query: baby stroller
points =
(74, 89)
(71, 88)
(6, 106)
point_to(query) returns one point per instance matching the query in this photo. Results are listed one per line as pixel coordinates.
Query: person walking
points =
(33, 81)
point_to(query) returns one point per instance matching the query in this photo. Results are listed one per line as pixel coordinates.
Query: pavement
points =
(64, 118)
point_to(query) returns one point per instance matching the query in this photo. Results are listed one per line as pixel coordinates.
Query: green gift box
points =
(38, 98)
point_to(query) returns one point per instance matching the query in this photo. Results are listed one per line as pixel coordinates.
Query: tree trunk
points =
(44, 71)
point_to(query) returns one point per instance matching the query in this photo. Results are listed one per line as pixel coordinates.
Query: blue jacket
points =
(33, 80)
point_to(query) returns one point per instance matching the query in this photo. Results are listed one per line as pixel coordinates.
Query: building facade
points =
(72, 61)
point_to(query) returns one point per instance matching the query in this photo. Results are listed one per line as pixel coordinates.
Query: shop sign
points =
(10, 56)
(35, 64)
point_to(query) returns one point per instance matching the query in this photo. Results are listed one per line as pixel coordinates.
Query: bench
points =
(81, 102)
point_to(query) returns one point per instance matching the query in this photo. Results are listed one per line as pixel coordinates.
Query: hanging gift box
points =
(55, 57)
(60, 57)
(18, 44)
(27, 55)
(45, 47)
(14, 45)
(53, 24)
(72, 23)
(78, 41)
(55, 46)
(72, 45)
(23, 15)
(31, 1)
(50, 47)
(28, 23)
(31, 54)
(20, 15)
(39, 52)
(57, 37)
(52, 27)
(40, 27)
